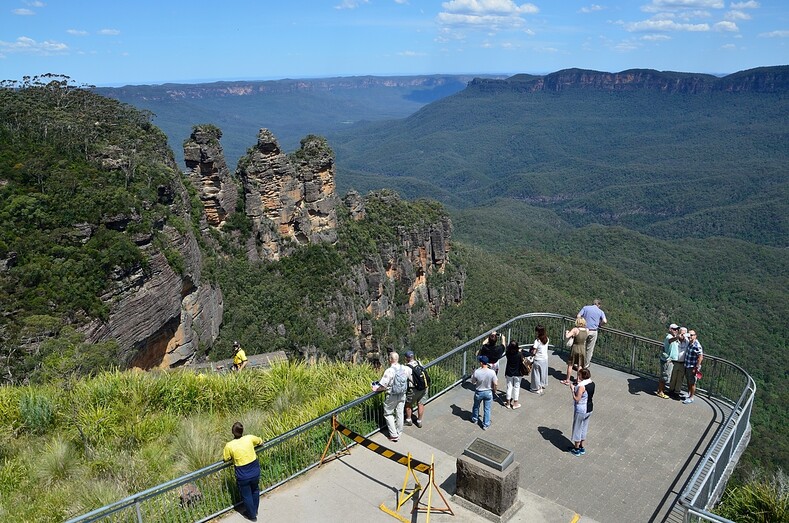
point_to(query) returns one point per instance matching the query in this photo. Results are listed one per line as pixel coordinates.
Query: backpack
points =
(420, 377)
(400, 381)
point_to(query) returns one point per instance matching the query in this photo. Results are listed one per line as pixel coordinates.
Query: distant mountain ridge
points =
(175, 91)
(761, 80)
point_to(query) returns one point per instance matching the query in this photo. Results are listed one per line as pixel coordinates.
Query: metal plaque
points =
(489, 453)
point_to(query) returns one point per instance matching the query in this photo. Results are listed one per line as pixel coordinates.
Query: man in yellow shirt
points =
(239, 357)
(242, 451)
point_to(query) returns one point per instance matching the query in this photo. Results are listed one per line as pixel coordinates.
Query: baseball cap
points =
(409, 354)
(673, 326)
(483, 359)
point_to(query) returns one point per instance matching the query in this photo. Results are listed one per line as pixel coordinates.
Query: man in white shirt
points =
(395, 383)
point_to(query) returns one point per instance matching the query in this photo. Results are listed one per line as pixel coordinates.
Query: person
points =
(513, 375)
(416, 395)
(693, 358)
(485, 382)
(667, 357)
(678, 372)
(577, 358)
(394, 377)
(493, 347)
(595, 318)
(239, 357)
(539, 368)
(241, 450)
(583, 392)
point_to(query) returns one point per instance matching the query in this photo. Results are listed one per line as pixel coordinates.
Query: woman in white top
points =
(539, 369)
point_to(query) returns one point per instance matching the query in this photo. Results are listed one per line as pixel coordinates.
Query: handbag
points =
(569, 342)
(526, 364)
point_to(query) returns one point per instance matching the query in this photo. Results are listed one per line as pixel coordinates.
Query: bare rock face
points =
(291, 201)
(208, 172)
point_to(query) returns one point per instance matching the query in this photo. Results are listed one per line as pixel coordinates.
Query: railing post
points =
(465, 363)
(633, 357)
(139, 512)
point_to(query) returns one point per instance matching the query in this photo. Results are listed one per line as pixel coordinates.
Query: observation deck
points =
(648, 459)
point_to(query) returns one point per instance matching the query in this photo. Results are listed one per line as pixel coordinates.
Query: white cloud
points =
(751, 4)
(23, 12)
(76, 32)
(728, 46)
(626, 46)
(775, 34)
(737, 15)
(591, 9)
(655, 38)
(487, 15)
(663, 26)
(401, 1)
(109, 32)
(663, 5)
(35, 3)
(489, 7)
(411, 53)
(350, 4)
(27, 45)
(729, 27)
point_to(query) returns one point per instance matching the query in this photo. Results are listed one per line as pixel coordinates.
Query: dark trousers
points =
(250, 495)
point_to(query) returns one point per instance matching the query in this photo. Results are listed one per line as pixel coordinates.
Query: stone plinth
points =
(495, 491)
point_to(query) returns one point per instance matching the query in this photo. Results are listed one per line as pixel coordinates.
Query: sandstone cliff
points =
(763, 79)
(160, 313)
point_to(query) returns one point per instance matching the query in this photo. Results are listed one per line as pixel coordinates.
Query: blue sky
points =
(112, 42)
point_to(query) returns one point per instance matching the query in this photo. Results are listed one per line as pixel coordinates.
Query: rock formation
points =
(290, 200)
(209, 174)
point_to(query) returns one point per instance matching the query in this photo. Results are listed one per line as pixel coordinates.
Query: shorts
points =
(690, 375)
(666, 367)
(414, 397)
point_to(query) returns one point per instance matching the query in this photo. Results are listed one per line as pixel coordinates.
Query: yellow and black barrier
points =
(412, 465)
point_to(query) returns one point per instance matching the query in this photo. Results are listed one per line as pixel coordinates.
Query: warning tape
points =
(390, 454)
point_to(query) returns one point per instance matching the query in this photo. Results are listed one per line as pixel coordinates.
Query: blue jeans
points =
(485, 396)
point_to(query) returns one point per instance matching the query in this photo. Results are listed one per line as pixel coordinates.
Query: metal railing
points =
(212, 492)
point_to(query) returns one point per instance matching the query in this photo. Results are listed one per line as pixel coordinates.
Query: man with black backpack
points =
(395, 383)
(417, 389)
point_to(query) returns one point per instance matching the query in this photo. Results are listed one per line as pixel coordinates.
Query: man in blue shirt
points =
(595, 318)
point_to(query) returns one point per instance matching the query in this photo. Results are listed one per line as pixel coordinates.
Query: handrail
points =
(294, 452)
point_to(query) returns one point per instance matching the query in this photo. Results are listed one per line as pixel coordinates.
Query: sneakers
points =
(394, 440)
(688, 400)
(473, 420)
(485, 427)
(575, 452)
(581, 451)
(418, 423)
(662, 395)
(408, 423)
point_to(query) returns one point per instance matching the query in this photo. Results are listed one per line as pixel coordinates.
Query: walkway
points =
(640, 452)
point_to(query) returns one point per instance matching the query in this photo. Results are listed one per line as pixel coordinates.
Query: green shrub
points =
(59, 461)
(36, 412)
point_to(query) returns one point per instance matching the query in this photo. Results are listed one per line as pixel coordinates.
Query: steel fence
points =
(210, 492)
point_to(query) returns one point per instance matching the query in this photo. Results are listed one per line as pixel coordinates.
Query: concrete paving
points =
(640, 452)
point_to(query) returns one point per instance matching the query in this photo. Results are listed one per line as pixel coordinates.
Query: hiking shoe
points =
(419, 423)
(688, 400)
(662, 395)
(581, 451)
